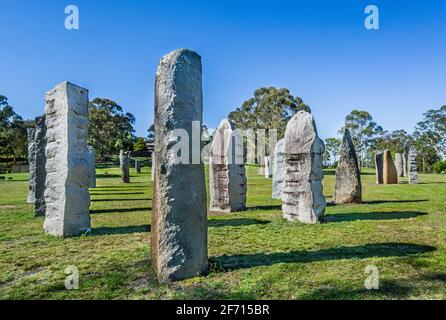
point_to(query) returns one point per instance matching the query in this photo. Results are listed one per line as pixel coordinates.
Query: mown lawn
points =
(400, 229)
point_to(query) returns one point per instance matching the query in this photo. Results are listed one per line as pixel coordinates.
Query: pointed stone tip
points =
(182, 51)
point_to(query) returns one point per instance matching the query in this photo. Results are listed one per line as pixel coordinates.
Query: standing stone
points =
(379, 167)
(179, 216)
(303, 199)
(404, 165)
(91, 159)
(66, 194)
(32, 165)
(413, 167)
(390, 175)
(399, 163)
(39, 204)
(137, 166)
(268, 169)
(278, 170)
(348, 177)
(227, 178)
(124, 164)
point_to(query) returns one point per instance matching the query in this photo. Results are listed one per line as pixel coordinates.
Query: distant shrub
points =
(439, 166)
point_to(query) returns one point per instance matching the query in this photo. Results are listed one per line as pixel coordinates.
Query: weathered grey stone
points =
(32, 165)
(390, 175)
(66, 194)
(227, 178)
(124, 163)
(348, 187)
(278, 171)
(399, 163)
(404, 165)
(39, 204)
(91, 160)
(268, 172)
(303, 199)
(379, 167)
(413, 167)
(137, 166)
(179, 216)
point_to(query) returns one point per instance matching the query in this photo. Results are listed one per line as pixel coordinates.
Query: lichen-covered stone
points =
(348, 187)
(32, 165)
(413, 167)
(91, 159)
(379, 167)
(390, 175)
(66, 193)
(124, 163)
(227, 178)
(39, 204)
(399, 163)
(303, 199)
(179, 216)
(278, 171)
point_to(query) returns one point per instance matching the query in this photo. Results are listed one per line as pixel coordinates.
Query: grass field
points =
(400, 229)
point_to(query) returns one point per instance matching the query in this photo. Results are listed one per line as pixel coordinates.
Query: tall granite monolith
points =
(399, 163)
(31, 133)
(278, 171)
(379, 167)
(66, 193)
(348, 187)
(137, 166)
(413, 167)
(303, 199)
(227, 178)
(390, 175)
(404, 165)
(39, 204)
(124, 163)
(179, 216)
(268, 170)
(91, 159)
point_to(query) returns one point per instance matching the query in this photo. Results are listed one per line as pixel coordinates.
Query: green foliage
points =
(332, 149)
(110, 128)
(151, 134)
(432, 130)
(139, 145)
(439, 166)
(398, 141)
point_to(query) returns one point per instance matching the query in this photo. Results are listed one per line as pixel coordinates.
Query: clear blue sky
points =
(320, 50)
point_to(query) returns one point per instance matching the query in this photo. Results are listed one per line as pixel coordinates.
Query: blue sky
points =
(320, 50)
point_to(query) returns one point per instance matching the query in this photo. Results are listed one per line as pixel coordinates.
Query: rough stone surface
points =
(399, 163)
(278, 171)
(404, 165)
(379, 167)
(179, 216)
(348, 178)
(66, 194)
(268, 170)
(32, 165)
(137, 166)
(303, 199)
(412, 167)
(124, 163)
(227, 177)
(390, 175)
(39, 204)
(91, 159)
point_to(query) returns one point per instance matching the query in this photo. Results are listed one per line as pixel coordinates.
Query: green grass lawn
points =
(400, 229)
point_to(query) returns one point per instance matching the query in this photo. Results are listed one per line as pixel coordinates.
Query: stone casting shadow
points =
(123, 199)
(216, 223)
(393, 215)
(119, 210)
(378, 250)
(105, 231)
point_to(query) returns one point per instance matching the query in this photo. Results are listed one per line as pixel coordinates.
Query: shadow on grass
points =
(393, 201)
(113, 193)
(235, 222)
(119, 187)
(377, 250)
(268, 207)
(118, 210)
(104, 231)
(121, 199)
(106, 176)
(373, 216)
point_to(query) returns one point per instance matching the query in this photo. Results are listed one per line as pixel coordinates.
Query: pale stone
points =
(267, 167)
(66, 194)
(137, 166)
(399, 163)
(413, 167)
(227, 178)
(179, 216)
(32, 165)
(278, 171)
(379, 167)
(303, 199)
(404, 165)
(124, 163)
(39, 204)
(390, 175)
(91, 159)
(348, 187)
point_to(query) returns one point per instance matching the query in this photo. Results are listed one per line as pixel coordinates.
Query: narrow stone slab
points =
(399, 163)
(179, 216)
(278, 170)
(137, 166)
(32, 165)
(390, 175)
(124, 163)
(303, 199)
(227, 177)
(379, 167)
(66, 194)
(91, 159)
(39, 204)
(404, 165)
(348, 187)
(413, 167)
(268, 167)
